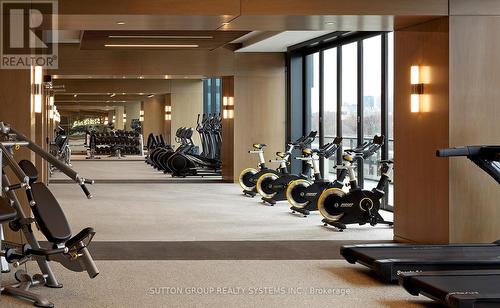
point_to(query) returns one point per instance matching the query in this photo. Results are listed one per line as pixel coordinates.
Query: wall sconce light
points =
(141, 116)
(37, 89)
(51, 107)
(417, 89)
(114, 119)
(228, 107)
(106, 121)
(124, 118)
(168, 113)
(57, 116)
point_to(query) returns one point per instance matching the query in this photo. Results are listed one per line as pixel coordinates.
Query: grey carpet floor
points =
(224, 284)
(193, 212)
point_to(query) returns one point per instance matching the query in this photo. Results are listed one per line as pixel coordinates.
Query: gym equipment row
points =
(70, 251)
(115, 143)
(338, 202)
(455, 275)
(186, 159)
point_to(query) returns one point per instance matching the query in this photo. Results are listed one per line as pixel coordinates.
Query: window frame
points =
(297, 75)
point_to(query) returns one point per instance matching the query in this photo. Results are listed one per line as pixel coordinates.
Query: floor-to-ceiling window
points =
(312, 93)
(349, 111)
(372, 104)
(330, 107)
(347, 88)
(212, 96)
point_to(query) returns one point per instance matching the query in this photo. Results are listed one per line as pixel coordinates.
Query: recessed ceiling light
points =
(121, 23)
(151, 45)
(75, 95)
(123, 93)
(161, 36)
(141, 93)
(141, 77)
(330, 23)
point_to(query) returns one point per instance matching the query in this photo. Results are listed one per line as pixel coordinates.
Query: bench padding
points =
(49, 215)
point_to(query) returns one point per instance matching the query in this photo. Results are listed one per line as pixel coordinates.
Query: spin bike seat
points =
(387, 161)
(281, 154)
(7, 213)
(258, 146)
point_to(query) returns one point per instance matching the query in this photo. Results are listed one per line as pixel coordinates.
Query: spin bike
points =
(302, 194)
(271, 186)
(248, 177)
(358, 206)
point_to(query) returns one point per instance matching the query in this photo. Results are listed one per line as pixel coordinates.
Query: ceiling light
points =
(121, 23)
(124, 77)
(141, 77)
(167, 76)
(161, 36)
(329, 23)
(75, 95)
(141, 93)
(113, 95)
(151, 95)
(152, 45)
(225, 23)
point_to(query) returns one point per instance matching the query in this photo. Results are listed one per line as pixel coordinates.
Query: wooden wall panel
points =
(154, 119)
(259, 90)
(73, 61)
(187, 103)
(228, 134)
(468, 7)
(113, 86)
(151, 7)
(474, 119)
(16, 110)
(420, 178)
(344, 7)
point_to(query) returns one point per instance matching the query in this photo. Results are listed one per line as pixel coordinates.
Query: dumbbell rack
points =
(118, 144)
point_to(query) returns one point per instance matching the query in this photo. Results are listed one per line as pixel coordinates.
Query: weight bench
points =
(70, 251)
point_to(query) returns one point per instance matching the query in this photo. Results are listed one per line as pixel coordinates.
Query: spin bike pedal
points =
(249, 193)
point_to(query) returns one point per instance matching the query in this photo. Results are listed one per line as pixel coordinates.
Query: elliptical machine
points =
(271, 186)
(249, 177)
(357, 206)
(302, 194)
(60, 147)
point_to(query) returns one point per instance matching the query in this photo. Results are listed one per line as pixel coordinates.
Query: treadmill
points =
(389, 260)
(457, 289)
